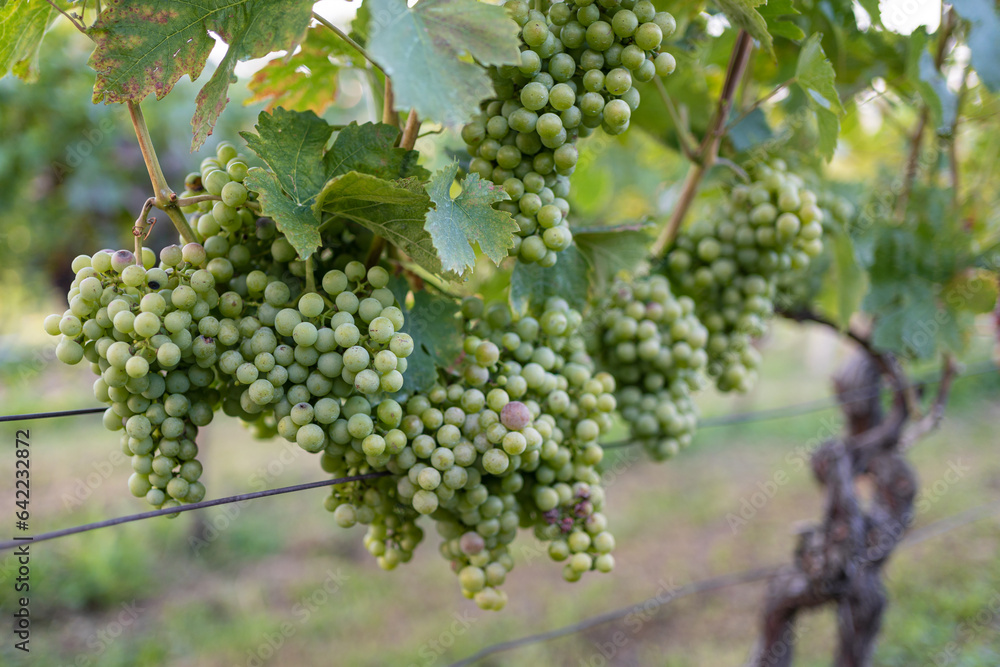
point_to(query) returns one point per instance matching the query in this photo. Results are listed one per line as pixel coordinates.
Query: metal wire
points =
(11, 544)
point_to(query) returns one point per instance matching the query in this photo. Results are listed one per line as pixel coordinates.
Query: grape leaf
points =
(815, 76)
(393, 210)
(454, 224)
(421, 50)
(145, 47)
(984, 18)
(609, 250)
(370, 149)
(743, 14)
(909, 267)
(436, 330)
(293, 145)
(775, 13)
(531, 284)
(308, 80)
(22, 27)
(294, 218)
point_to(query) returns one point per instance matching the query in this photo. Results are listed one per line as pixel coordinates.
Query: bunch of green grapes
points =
(654, 345)
(730, 263)
(315, 352)
(579, 61)
(506, 439)
(799, 288)
(148, 333)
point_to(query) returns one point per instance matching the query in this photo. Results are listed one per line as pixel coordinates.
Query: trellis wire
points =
(927, 532)
(186, 508)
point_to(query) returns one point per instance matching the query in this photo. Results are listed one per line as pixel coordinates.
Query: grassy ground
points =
(274, 582)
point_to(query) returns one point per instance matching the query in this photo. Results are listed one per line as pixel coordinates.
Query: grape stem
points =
(189, 201)
(139, 230)
(389, 114)
(749, 110)
(708, 152)
(916, 139)
(411, 131)
(76, 24)
(684, 137)
(165, 198)
(310, 276)
(343, 35)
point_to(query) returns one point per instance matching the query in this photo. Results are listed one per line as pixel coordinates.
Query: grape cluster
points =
(799, 288)
(730, 263)
(146, 332)
(654, 345)
(578, 63)
(506, 439)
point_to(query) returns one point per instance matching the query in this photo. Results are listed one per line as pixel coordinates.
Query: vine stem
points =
(72, 20)
(389, 114)
(684, 137)
(410, 131)
(164, 197)
(709, 150)
(777, 89)
(344, 36)
(913, 159)
(139, 231)
(310, 275)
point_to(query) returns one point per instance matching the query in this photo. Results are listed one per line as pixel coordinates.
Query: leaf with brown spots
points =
(308, 80)
(146, 46)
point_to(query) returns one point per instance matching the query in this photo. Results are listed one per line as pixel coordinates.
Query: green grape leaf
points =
(609, 250)
(984, 19)
(815, 75)
(293, 145)
(423, 50)
(22, 27)
(359, 26)
(873, 9)
(294, 219)
(394, 210)
(307, 81)
(145, 47)
(436, 329)
(531, 284)
(829, 129)
(776, 13)
(370, 149)
(455, 224)
(910, 268)
(743, 14)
